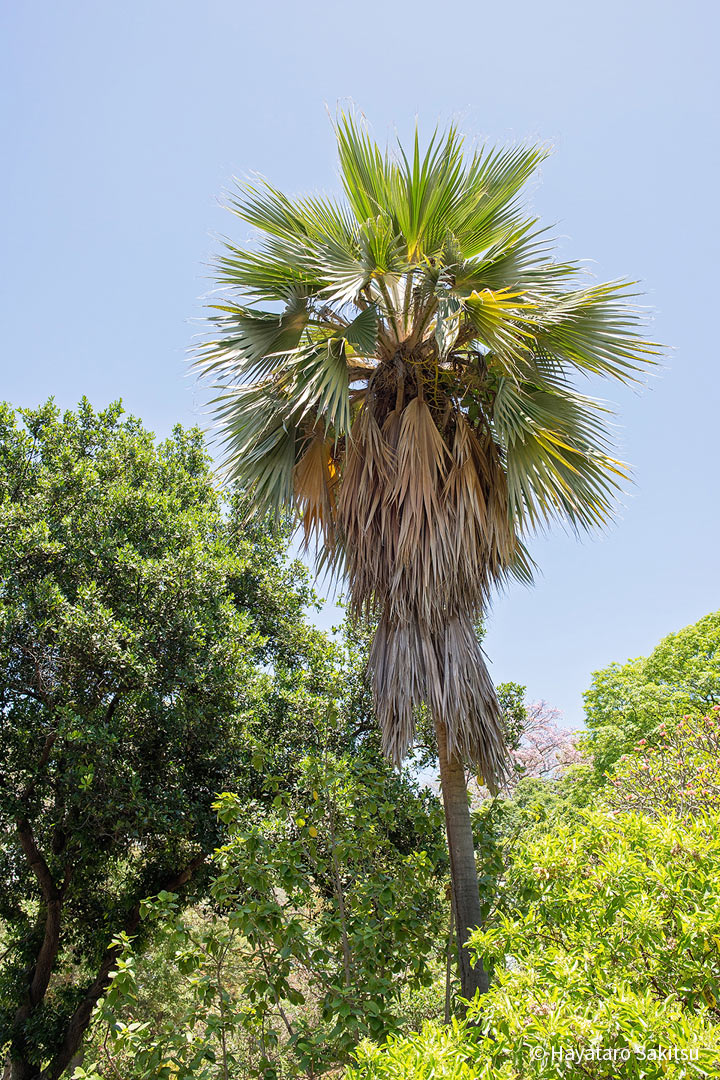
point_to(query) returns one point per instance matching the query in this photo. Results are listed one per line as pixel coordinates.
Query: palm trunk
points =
(463, 873)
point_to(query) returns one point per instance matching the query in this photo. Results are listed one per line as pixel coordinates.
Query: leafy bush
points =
(433, 1053)
(605, 942)
(612, 938)
(318, 922)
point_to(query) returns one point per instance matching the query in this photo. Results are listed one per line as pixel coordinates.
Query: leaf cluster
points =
(319, 921)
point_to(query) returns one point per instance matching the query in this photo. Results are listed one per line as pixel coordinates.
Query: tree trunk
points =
(20, 1070)
(463, 873)
(66, 1055)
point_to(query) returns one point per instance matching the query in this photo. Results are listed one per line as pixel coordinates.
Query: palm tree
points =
(397, 368)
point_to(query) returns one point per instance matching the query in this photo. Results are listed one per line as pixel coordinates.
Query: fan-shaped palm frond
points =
(407, 388)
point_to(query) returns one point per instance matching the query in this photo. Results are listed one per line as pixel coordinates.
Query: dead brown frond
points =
(315, 481)
(367, 476)
(422, 514)
(445, 669)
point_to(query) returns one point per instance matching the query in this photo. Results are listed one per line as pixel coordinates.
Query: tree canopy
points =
(626, 701)
(137, 624)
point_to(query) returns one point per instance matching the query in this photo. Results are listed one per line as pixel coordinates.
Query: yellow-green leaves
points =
(500, 321)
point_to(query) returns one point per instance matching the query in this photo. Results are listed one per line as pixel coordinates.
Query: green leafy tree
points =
(137, 622)
(513, 707)
(627, 701)
(398, 369)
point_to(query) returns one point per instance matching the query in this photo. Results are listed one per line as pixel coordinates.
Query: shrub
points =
(607, 942)
(317, 921)
(434, 1053)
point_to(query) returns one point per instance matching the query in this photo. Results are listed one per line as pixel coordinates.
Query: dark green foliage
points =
(135, 622)
(513, 708)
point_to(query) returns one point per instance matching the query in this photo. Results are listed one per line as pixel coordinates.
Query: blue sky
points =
(123, 123)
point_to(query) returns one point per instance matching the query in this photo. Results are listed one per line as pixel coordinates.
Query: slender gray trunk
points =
(463, 873)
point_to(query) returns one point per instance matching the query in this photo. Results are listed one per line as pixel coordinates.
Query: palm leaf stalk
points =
(399, 368)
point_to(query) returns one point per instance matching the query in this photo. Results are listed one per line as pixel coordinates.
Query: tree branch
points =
(36, 861)
(29, 789)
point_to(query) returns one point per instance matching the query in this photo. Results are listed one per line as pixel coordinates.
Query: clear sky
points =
(122, 123)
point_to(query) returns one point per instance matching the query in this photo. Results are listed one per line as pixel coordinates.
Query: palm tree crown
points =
(398, 368)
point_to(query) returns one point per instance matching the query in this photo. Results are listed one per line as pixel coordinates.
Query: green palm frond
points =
(489, 213)
(362, 332)
(264, 276)
(556, 456)
(366, 172)
(260, 443)
(428, 190)
(262, 205)
(317, 385)
(249, 340)
(499, 322)
(595, 330)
